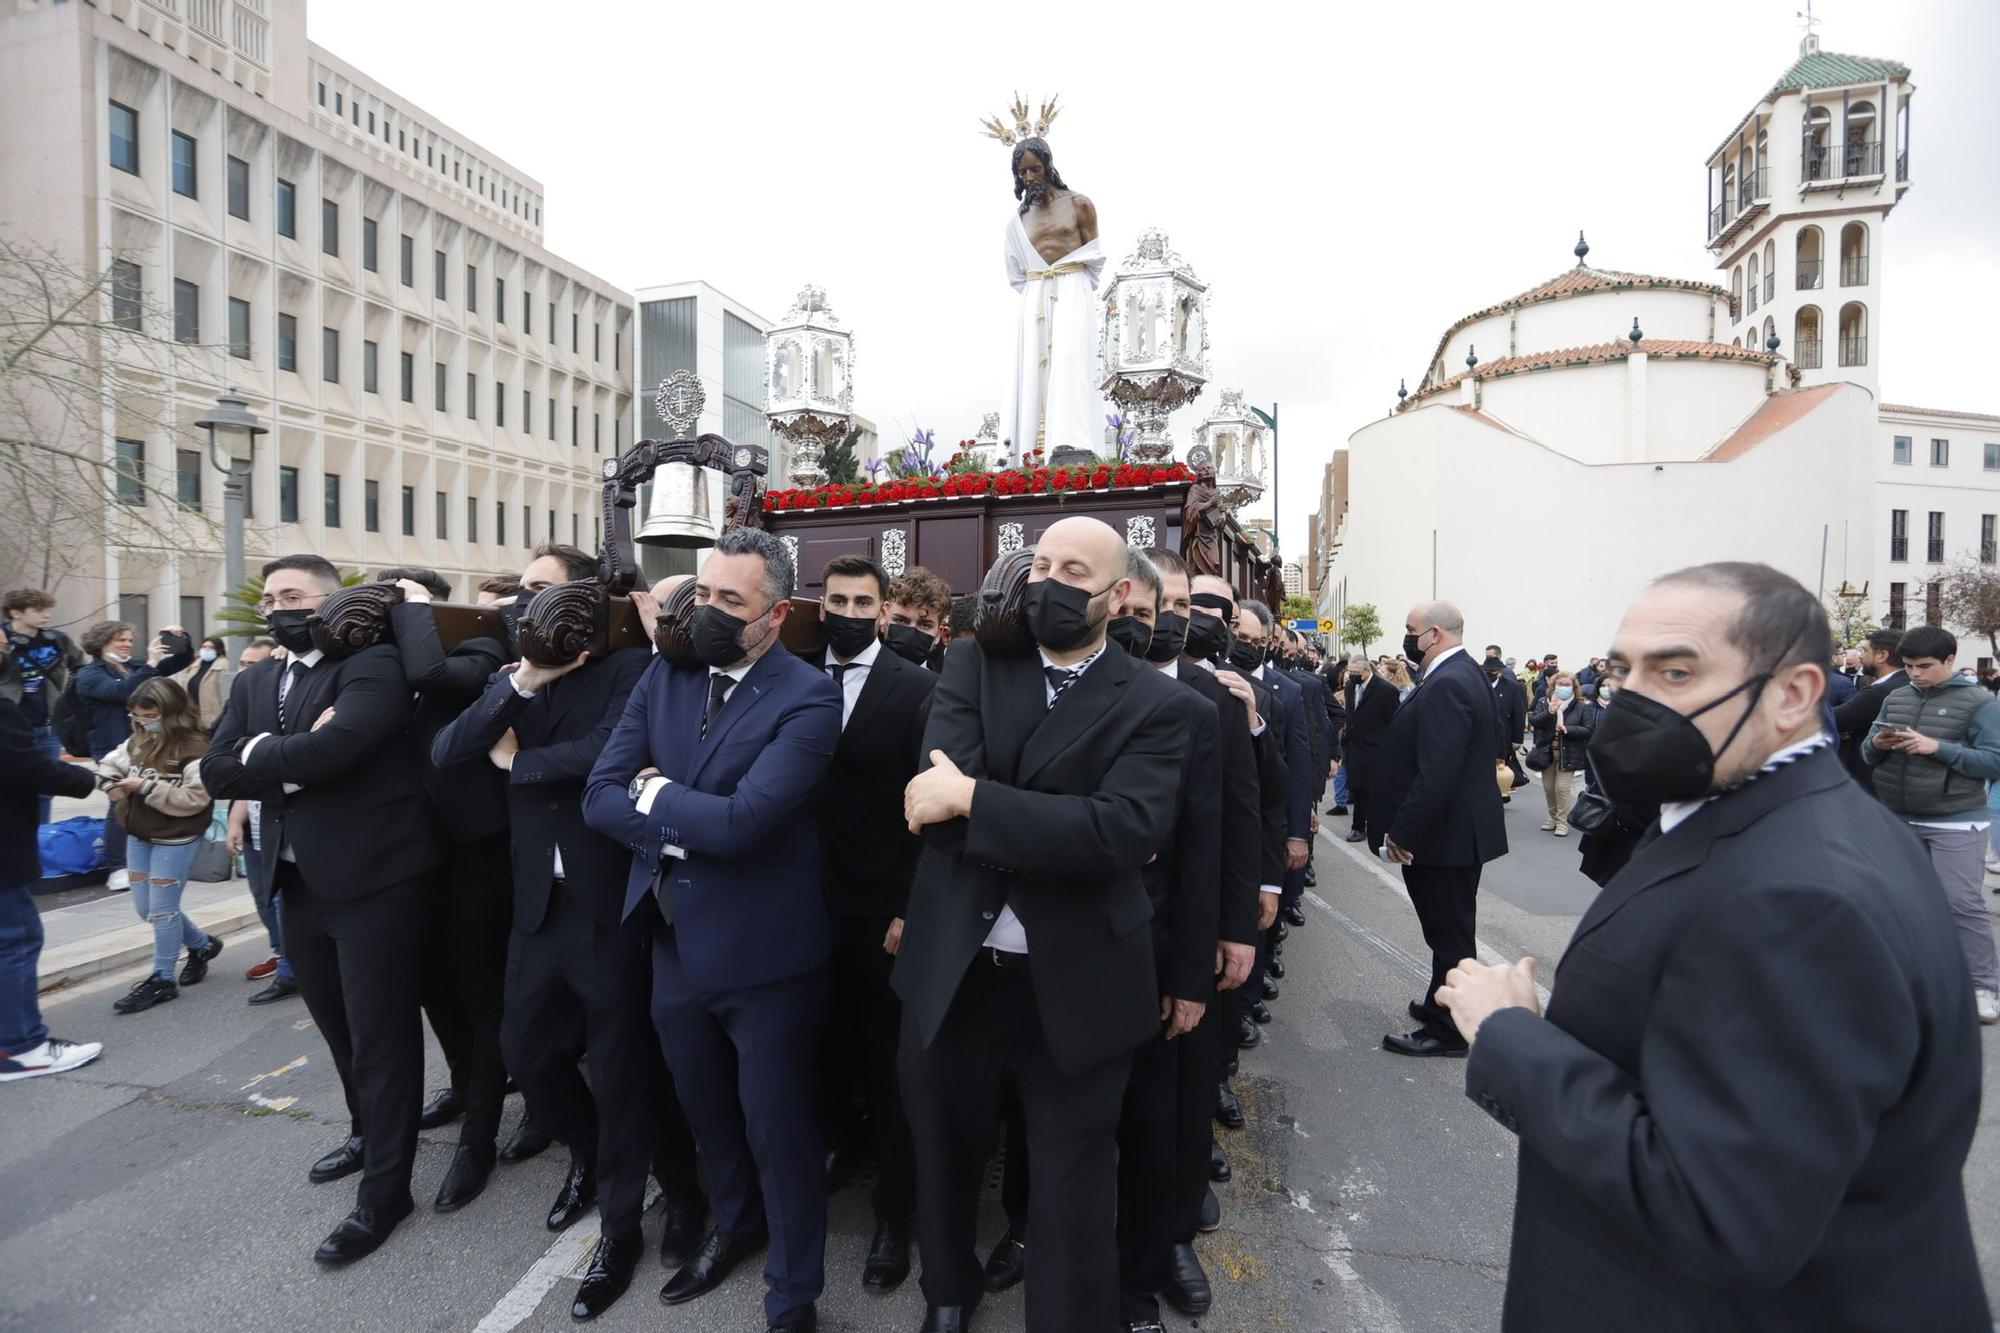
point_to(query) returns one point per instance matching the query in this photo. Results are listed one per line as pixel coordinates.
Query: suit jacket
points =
(1434, 793)
(1184, 881)
(1313, 695)
(471, 798)
(1274, 789)
(1853, 718)
(359, 821)
(1234, 786)
(1752, 1099)
(1296, 739)
(746, 900)
(561, 730)
(1512, 707)
(1069, 804)
(25, 774)
(867, 854)
(1367, 723)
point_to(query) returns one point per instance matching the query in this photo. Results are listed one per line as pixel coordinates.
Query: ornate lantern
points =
(1154, 344)
(1235, 438)
(809, 382)
(686, 505)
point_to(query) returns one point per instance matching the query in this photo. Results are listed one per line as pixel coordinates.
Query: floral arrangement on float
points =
(912, 474)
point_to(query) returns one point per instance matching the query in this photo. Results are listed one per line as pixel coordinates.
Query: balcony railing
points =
(1824, 162)
(1751, 308)
(1853, 351)
(1899, 548)
(1770, 286)
(1805, 353)
(1903, 164)
(1854, 271)
(1934, 551)
(1753, 186)
(1718, 217)
(1808, 278)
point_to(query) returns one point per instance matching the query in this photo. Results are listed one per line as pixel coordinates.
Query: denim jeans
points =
(269, 910)
(46, 742)
(1340, 785)
(21, 1026)
(159, 875)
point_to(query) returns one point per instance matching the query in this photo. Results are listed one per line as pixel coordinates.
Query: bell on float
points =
(686, 507)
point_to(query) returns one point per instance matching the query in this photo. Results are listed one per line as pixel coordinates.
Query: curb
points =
(68, 971)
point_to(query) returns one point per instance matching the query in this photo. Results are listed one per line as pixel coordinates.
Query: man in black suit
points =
(579, 978)
(868, 857)
(349, 846)
(1750, 1104)
(1051, 781)
(1436, 809)
(468, 941)
(1371, 702)
(1252, 654)
(1510, 705)
(1882, 668)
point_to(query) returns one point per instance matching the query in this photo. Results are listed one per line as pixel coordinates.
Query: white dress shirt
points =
(286, 684)
(852, 679)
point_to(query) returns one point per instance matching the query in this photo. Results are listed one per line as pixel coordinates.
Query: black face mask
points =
(848, 635)
(909, 643)
(1207, 637)
(1059, 615)
(292, 629)
(717, 636)
(1169, 637)
(1245, 656)
(1131, 634)
(510, 616)
(1644, 753)
(1412, 653)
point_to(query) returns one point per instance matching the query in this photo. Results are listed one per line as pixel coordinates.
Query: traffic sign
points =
(1307, 626)
(1329, 627)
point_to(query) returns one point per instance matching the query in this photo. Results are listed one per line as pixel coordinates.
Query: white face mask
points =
(208, 654)
(117, 656)
(151, 724)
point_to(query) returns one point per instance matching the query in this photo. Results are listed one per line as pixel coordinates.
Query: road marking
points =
(1376, 1314)
(272, 1103)
(565, 1257)
(1380, 874)
(285, 1068)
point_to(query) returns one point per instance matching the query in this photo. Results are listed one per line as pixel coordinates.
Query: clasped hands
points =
(1473, 991)
(938, 793)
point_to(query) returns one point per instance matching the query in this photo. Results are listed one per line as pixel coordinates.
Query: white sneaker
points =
(1993, 867)
(1988, 1004)
(54, 1056)
(120, 881)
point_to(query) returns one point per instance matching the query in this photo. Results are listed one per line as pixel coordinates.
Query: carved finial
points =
(1635, 335)
(1582, 249)
(1771, 342)
(1471, 357)
(1402, 389)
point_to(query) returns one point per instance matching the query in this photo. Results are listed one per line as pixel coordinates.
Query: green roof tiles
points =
(1831, 69)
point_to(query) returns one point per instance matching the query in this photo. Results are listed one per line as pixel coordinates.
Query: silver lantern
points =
(809, 382)
(1154, 343)
(1235, 438)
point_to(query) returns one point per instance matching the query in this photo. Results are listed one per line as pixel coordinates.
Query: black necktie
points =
(718, 687)
(840, 670)
(293, 670)
(1060, 679)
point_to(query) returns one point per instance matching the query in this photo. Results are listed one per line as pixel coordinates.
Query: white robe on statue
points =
(1053, 398)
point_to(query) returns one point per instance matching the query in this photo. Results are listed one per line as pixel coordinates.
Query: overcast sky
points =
(1347, 179)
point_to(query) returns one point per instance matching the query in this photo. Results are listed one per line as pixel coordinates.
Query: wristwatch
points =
(637, 786)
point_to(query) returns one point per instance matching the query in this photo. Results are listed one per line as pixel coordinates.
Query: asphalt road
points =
(163, 1187)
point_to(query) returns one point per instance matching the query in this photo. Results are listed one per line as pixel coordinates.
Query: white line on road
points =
(1380, 874)
(285, 1068)
(567, 1253)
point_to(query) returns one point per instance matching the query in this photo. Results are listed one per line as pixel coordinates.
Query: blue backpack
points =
(72, 846)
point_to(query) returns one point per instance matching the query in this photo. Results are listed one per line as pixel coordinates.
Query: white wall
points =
(1586, 320)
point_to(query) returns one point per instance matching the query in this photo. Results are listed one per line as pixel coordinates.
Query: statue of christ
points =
(1053, 261)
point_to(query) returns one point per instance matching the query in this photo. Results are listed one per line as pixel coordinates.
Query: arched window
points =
(1854, 334)
(1805, 338)
(1861, 146)
(1854, 255)
(1729, 192)
(1818, 165)
(1763, 162)
(1770, 271)
(1808, 277)
(1756, 285)
(1736, 293)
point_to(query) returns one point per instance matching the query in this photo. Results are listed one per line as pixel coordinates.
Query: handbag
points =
(1540, 757)
(1592, 812)
(213, 863)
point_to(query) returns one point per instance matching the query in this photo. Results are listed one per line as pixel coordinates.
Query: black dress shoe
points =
(680, 1235)
(1248, 1034)
(610, 1272)
(888, 1256)
(471, 1166)
(281, 988)
(1210, 1218)
(1260, 1013)
(711, 1264)
(946, 1319)
(1294, 914)
(1218, 1164)
(342, 1161)
(1229, 1070)
(1338, 810)
(1280, 932)
(530, 1140)
(1357, 836)
(1418, 1012)
(1270, 988)
(196, 966)
(1423, 1042)
(1007, 1265)
(1275, 967)
(361, 1233)
(1187, 1288)
(578, 1196)
(442, 1109)
(1228, 1110)
(1312, 878)
(804, 1322)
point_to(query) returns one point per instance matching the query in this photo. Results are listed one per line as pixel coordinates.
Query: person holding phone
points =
(104, 685)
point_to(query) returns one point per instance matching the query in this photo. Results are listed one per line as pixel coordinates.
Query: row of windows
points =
(463, 173)
(1807, 266)
(1902, 451)
(124, 149)
(1934, 547)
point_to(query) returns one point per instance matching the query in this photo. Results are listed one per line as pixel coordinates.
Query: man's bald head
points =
(665, 587)
(1434, 626)
(1086, 554)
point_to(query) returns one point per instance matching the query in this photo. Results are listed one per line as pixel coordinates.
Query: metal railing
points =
(1753, 186)
(1854, 271)
(1827, 162)
(1805, 353)
(1718, 217)
(1808, 276)
(1903, 164)
(1899, 548)
(1934, 550)
(1751, 307)
(1853, 351)
(1771, 286)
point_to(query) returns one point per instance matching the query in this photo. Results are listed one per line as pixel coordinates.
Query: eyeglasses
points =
(289, 600)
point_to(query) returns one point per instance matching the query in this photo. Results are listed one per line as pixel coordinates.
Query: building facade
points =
(1570, 443)
(439, 388)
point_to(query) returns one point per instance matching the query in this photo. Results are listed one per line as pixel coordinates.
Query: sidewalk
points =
(90, 938)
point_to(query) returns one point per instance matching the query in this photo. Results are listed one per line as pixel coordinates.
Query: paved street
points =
(164, 1186)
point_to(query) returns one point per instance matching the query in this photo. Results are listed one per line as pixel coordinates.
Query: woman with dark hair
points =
(103, 685)
(154, 781)
(207, 681)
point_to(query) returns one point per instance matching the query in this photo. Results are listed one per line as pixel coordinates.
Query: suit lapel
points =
(1086, 700)
(1013, 691)
(754, 685)
(877, 685)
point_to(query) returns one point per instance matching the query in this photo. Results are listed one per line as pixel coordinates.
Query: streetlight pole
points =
(232, 446)
(1270, 420)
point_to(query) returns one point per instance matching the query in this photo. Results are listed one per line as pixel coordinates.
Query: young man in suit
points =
(1051, 781)
(1750, 1104)
(576, 967)
(706, 780)
(1251, 654)
(349, 847)
(1882, 675)
(868, 858)
(1371, 702)
(1436, 809)
(1511, 706)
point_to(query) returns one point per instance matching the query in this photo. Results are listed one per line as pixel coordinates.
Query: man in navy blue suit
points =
(706, 779)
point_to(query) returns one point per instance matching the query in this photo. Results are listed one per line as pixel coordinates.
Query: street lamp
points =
(1270, 420)
(232, 443)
